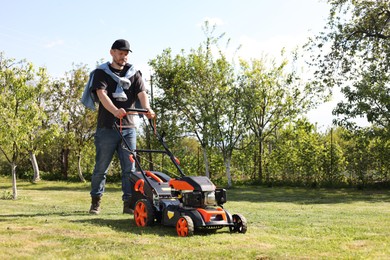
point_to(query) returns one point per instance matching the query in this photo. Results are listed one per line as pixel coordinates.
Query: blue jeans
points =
(107, 141)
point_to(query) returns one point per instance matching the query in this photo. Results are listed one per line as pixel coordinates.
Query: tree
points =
(380, 148)
(333, 159)
(272, 97)
(20, 113)
(354, 53)
(230, 125)
(367, 154)
(76, 123)
(42, 132)
(199, 87)
(358, 156)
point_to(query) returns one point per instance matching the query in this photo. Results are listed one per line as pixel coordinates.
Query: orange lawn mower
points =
(189, 203)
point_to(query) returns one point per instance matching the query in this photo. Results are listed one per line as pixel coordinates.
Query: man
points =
(118, 86)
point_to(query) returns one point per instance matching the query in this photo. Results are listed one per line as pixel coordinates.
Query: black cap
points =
(122, 45)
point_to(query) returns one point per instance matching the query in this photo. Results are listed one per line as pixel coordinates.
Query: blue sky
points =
(58, 33)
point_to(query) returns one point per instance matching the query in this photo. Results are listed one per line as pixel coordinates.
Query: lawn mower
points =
(189, 203)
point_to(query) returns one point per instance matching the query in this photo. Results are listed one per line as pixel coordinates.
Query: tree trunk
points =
(266, 168)
(80, 172)
(14, 188)
(65, 162)
(228, 173)
(260, 162)
(254, 170)
(206, 162)
(34, 163)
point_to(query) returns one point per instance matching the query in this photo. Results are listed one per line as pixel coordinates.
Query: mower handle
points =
(137, 110)
(141, 111)
(159, 137)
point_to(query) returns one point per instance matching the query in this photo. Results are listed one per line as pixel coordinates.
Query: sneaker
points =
(95, 206)
(126, 208)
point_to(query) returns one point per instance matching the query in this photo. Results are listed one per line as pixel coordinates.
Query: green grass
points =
(50, 221)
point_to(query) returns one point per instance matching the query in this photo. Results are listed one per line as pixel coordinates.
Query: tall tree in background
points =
(83, 121)
(296, 157)
(199, 87)
(354, 54)
(333, 158)
(41, 132)
(272, 97)
(21, 115)
(76, 123)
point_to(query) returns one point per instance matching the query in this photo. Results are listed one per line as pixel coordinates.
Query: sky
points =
(59, 33)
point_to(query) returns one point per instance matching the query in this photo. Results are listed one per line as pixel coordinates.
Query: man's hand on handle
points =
(120, 113)
(150, 114)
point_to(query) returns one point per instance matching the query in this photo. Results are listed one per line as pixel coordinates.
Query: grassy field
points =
(50, 221)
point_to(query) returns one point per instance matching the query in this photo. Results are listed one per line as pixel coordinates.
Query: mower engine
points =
(197, 192)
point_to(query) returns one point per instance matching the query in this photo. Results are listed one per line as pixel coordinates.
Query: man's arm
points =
(107, 103)
(144, 100)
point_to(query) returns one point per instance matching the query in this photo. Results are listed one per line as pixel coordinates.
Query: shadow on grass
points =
(120, 225)
(129, 226)
(64, 186)
(306, 196)
(8, 217)
(43, 185)
(86, 188)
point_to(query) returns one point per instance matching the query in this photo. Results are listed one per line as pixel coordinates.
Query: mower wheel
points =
(239, 222)
(143, 213)
(185, 226)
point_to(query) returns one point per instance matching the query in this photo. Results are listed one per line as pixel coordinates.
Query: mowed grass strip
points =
(50, 220)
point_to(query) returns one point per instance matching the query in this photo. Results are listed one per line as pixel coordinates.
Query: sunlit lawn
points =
(50, 221)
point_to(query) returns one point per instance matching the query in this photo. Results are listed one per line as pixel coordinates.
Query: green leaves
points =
(200, 89)
(222, 105)
(358, 59)
(21, 112)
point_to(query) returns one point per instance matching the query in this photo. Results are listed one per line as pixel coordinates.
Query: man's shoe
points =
(95, 206)
(126, 208)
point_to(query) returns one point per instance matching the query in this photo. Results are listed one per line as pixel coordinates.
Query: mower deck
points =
(161, 202)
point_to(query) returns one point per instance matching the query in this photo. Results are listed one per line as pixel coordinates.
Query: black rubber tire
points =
(240, 224)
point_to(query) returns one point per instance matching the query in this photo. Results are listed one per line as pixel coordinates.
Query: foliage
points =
(354, 53)
(295, 155)
(367, 157)
(333, 159)
(21, 110)
(199, 89)
(75, 123)
(272, 96)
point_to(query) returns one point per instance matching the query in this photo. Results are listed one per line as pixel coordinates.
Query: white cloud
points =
(54, 44)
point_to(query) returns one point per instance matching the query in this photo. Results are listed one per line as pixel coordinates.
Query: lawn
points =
(50, 220)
